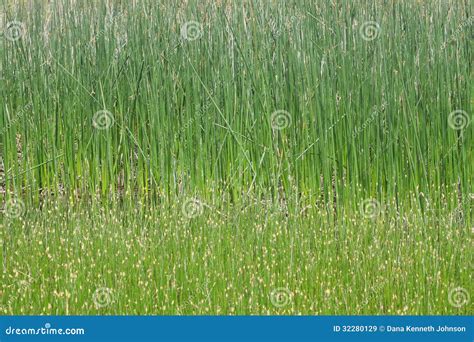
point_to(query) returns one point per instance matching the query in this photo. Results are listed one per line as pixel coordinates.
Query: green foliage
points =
(351, 118)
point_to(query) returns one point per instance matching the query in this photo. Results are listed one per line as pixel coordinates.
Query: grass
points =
(240, 157)
(159, 261)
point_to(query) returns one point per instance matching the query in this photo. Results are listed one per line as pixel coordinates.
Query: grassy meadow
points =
(236, 157)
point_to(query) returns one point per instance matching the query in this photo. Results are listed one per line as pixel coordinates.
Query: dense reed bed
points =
(236, 157)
